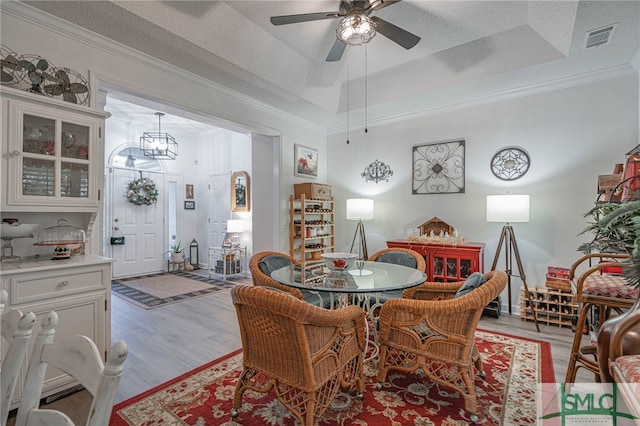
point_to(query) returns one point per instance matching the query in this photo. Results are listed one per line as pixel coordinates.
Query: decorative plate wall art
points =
(438, 168)
(510, 163)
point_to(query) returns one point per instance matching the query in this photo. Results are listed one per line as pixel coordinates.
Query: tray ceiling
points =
(468, 49)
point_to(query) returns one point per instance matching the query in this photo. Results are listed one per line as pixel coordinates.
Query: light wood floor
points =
(168, 341)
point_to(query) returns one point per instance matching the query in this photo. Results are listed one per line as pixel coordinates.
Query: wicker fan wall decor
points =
(70, 85)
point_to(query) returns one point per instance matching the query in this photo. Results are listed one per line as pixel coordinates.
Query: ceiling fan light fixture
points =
(159, 145)
(356, 29)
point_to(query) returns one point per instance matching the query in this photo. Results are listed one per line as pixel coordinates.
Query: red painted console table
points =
(447, 263)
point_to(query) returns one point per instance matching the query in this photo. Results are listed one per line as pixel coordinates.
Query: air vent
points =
(599, 36)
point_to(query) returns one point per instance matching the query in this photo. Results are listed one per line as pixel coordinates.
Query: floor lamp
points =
(508, 209)
(360, 209)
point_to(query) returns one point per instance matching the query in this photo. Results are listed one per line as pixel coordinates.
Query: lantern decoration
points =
(194, 254)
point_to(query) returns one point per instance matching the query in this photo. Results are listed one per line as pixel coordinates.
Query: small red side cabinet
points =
(447, 263)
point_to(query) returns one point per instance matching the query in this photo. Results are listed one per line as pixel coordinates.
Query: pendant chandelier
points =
(356, 28)
(158, 145)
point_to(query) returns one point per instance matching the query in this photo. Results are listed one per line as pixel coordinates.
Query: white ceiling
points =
(468, 49)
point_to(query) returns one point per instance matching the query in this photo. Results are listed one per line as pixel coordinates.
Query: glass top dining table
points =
(374, 277)
(358, 286)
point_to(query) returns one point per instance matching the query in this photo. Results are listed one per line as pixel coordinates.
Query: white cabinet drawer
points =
(55, 283)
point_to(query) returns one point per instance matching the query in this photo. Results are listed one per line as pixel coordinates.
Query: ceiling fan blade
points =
(336, 51)
(396, 34)
(305, 17)
(381, 4)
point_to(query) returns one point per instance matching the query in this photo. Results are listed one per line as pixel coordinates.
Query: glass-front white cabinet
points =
(52, 152)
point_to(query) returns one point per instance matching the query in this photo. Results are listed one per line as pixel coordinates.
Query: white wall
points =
(112, 65)
(572, 136)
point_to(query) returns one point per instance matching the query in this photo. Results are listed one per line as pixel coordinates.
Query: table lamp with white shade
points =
(509, 209)
(234, 227)
(360, 209)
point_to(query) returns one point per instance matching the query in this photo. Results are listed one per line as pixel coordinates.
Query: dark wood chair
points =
(623, 356)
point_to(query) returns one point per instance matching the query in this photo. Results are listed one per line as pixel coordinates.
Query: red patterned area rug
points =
(204, 396)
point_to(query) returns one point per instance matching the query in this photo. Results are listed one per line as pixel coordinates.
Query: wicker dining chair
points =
(400, 256)
(263, 263)
(302, 352)
(431, 329)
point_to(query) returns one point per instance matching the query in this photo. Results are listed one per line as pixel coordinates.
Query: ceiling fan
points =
(355, 14)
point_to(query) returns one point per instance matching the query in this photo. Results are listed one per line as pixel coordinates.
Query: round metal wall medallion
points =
(510, 163)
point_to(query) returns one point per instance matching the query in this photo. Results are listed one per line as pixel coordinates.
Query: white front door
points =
(219, 208)
(141, 225)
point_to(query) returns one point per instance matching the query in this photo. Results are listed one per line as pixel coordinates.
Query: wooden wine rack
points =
(553, 306)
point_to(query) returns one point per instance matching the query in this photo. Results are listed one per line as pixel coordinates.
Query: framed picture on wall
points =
(189, 192)
(306, 161)
(438, 168)
(240, 196)
(189, 205)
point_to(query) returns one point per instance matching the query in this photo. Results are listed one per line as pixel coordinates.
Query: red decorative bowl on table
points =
(338, 262)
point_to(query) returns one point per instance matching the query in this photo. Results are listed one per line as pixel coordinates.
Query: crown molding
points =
(72, 31)
(514, 93)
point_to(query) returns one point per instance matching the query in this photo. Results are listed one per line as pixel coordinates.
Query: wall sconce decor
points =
(240, 192)
(376, 172)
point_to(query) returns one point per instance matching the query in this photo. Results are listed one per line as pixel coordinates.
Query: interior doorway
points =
(207, 147)
(219, 212)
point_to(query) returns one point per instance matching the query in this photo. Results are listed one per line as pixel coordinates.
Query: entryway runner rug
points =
(155, 290)
(204, 396)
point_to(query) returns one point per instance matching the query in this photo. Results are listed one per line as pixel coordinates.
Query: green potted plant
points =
(176, 250)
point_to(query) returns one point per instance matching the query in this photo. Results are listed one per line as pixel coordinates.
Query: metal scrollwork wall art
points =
(438, 168)
(376, 172)
(510, 163)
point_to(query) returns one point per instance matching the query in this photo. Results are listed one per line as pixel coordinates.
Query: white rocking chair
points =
(15, 328)
(79, 357)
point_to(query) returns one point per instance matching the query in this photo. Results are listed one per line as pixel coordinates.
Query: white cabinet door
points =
(80, 293)
(53, 154)
(79, 315)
